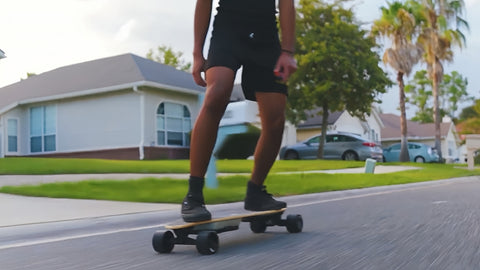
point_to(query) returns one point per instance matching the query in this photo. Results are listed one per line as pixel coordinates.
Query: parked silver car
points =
(346, 146)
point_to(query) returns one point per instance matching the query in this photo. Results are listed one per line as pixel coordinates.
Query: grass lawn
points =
(39, 166)
(231, 188)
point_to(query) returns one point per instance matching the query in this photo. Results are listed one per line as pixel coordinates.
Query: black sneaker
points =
(258, 199)
(194, 210)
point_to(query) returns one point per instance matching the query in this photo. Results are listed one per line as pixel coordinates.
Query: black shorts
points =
(253, 44)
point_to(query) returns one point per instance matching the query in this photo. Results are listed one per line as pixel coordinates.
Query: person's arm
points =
(286, 64)
(203, 11)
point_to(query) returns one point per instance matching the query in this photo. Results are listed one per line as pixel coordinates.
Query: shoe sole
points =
(196, 217)
(249, 208)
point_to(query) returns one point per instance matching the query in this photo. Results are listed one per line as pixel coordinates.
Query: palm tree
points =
(399, 25)
(437, 38)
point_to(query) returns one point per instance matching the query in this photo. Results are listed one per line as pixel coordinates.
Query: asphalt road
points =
(433, 225)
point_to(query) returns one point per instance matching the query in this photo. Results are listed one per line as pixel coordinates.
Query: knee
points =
(214, 104)
(275, 124)
(213, 108)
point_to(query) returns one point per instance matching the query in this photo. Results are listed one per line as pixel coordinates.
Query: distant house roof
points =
(314, 120)
(391, 130)
(107, 74)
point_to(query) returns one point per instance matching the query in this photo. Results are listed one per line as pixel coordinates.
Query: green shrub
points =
(240, 145)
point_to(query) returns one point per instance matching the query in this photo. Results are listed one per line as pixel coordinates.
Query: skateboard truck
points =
(207, 241)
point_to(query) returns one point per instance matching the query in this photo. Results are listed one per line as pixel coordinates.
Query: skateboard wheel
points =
(207, 242)
(163, 242)
(294, 223)
(258, 226)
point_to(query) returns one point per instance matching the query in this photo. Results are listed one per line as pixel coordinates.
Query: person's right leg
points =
(272, 115)
(204, 134)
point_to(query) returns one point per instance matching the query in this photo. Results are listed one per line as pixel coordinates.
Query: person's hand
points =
(286, 66)
(198, 68)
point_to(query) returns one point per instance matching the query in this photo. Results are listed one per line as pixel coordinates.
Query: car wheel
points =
(419, 159)
(350, 155)
(291, 155)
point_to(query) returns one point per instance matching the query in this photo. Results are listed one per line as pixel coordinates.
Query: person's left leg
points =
(272, 114)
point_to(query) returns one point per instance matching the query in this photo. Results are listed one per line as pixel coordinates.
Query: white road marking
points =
(439, 202)
(365, 195)
(65, 238)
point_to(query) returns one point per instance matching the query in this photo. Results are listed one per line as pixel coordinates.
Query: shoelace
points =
(264, 190)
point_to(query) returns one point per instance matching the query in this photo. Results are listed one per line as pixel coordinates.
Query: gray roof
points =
(117, 71)
(314, 119)
(392, 131)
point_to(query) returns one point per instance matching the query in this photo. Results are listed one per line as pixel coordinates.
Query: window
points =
(43, 129)
(414, 146)
(396, 147)
(348, 139)
(315, 139)
(12, 133)
(334, 139)
(173, 124)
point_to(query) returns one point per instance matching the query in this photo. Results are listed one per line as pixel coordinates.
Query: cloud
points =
(125, 30)
(471, 3)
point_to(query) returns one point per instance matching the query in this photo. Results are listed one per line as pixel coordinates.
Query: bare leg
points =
(204, 133)
(272, 115)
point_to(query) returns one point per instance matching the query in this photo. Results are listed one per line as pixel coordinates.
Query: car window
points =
(333, 139)
(329, 138)
(349, 139)
(413, 146)
(396, 147)
(315, 139)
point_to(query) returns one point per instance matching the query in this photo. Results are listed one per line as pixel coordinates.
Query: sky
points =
(38, 36)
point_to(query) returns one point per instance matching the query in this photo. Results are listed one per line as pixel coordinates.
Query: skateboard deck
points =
(207, 231)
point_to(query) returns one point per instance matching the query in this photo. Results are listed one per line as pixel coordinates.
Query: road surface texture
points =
(433, 225)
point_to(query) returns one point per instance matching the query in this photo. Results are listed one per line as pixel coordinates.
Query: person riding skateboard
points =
(244, 35)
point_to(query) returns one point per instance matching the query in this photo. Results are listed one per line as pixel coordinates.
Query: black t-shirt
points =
(249, 8)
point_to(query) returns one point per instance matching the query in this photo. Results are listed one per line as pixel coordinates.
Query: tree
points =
(337, 66)
(441, 24)
(470, 119)
(469, 112)
(452, 91)
(166, 55)
(471, 126)
(418, 92)
(399, 25)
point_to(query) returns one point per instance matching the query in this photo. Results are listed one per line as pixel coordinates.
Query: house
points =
(423, 133)
(341, 121)
(122, 107)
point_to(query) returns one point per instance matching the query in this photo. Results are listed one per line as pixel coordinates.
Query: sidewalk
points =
(20, 210)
